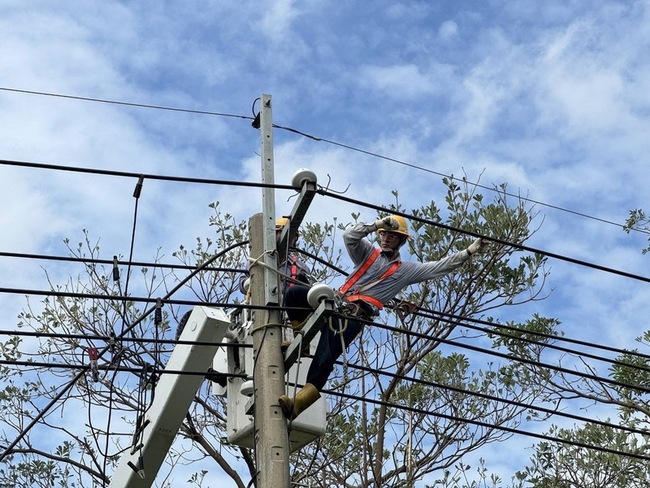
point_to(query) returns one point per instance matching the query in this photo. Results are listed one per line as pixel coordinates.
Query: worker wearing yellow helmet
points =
(292, 268)
(292, 271)
(378, 277)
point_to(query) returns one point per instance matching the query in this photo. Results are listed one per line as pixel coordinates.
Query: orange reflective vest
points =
(352, 280)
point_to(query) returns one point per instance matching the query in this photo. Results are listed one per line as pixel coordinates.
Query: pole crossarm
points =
(305, 197)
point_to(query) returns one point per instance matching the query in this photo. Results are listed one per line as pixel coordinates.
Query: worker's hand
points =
(475, 246)
(388, 223)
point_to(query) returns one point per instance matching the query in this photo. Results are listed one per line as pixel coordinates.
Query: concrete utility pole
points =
(271, 435)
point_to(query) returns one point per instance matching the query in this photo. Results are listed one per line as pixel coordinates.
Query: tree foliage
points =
(430, 401)
(638, 220)
(570, 464)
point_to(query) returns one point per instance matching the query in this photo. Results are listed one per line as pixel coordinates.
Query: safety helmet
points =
(402, 227)
(281, 222)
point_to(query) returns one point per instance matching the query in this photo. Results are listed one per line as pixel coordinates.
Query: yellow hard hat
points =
(402, 226)
(281, 222)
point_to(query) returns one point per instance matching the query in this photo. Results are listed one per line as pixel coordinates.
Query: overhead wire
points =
(452, 178)
(89, 260)
(126, 104)
(357, 202)
(500, 399)
(495, 240)
(488, 425)
(511, 357)
(105, 367)
(124, 312)
(317, 139)
(149, 176)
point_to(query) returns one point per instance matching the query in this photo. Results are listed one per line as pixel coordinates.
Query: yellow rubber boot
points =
(306, 396)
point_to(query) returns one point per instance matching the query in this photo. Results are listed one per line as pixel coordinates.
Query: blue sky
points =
(551, 97)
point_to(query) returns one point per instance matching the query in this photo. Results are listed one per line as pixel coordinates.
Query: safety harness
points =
(353, 295)
(293, 271)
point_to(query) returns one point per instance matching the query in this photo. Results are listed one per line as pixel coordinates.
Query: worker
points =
(379, 275)
(292, 270)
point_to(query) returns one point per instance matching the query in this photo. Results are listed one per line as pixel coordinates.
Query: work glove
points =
(475, 246)
(388, 223)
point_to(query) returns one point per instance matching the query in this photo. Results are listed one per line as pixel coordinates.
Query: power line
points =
(149, 176)
(139, 340)
(127, 104)
(144, 264)
(108, 368)
(510, 357)
(447, 317)
(338, 196)
(103, 351)
(451, 177)
(466, 323)
(538, 408)
(425, 313)
(487, 425)
(318, 139)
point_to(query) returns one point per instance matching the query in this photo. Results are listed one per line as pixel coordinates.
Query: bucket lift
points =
(240, 422)
(174, 394)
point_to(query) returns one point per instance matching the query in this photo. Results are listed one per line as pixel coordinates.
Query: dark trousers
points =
(295, 299)
(329, 347)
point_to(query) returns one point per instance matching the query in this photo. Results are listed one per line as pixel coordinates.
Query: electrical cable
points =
(317, 139)
(465, 322)
(334, 195)
(145, 264)
(515, 403)
(149, 176)
(495, 240)
(136, 195)
(511, 357)
(449, 318)
(127, 104)
(463, 180)
(143, 340)
(106, 367)
(487, 425)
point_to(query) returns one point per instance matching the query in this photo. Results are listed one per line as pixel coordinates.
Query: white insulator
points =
(318, 293)
(247, 284)
(247, 388)
(302, 176)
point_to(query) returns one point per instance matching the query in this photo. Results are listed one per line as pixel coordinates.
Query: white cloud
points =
(448, 30)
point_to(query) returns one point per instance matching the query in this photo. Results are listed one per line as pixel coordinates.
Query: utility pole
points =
(271, 435)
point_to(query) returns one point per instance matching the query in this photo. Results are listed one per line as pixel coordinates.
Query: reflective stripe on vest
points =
(367, 299)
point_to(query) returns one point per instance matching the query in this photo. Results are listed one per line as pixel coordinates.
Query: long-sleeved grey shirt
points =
(406, 274)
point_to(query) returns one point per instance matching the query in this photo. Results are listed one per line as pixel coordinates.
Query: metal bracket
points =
(298, 212)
